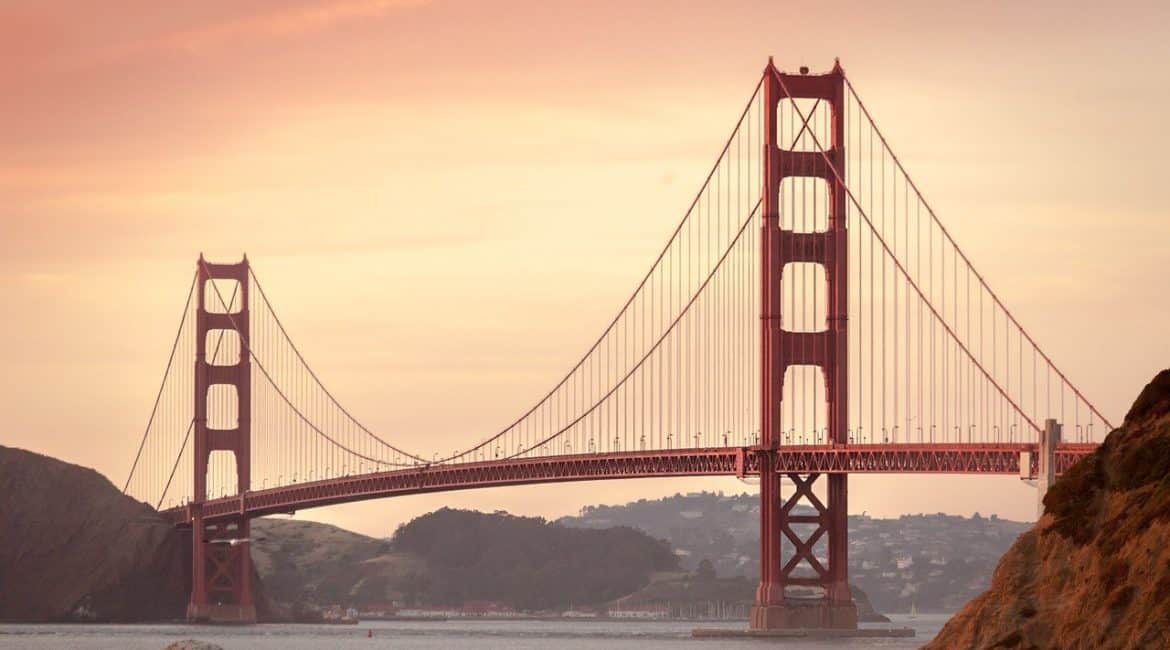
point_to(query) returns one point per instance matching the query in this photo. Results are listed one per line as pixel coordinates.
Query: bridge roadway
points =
(901, 458)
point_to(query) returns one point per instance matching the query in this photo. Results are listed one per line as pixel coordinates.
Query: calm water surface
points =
(523, 635)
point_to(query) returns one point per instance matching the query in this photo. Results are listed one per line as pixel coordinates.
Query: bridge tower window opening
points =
(222, 296)
(223, 347)
(223, 407)
(803, 291)
(803, 122)
(802, 423)
(221, 474)
(804, 204)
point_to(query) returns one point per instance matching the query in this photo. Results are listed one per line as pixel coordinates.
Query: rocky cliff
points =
(1095, 570)
(73, 547)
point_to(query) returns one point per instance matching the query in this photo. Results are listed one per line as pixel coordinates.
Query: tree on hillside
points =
(527, 562)
(706, 571)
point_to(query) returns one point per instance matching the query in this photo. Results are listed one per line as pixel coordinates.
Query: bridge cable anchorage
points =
(162, 385)
(983, 282)
(297, 411)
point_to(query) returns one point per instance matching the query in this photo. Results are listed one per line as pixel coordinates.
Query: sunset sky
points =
(393, 166)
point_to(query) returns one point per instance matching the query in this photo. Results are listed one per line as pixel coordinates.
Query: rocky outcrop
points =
(73, 547)
(192, 644)
(1095, 570)
(865, 611)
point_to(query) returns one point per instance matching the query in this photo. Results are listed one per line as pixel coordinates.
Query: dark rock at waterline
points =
(192, 644)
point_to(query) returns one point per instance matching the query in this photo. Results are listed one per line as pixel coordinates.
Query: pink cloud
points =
(285, 23)
(280, 22)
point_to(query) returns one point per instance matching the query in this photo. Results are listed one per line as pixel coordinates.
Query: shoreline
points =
(430, 619)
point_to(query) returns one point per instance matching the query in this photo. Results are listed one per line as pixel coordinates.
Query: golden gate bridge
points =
(809, 317)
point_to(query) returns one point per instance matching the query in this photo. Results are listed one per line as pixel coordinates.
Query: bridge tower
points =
(221, 561)
(826, 349)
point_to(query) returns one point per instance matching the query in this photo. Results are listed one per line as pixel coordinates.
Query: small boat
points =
(336, 616)
(913, 611)
(340, 620)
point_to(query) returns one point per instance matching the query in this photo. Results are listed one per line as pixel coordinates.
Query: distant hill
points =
(527, 562)
(305, 564)
(74, 548)
(1095, 570)
(934, 562)
(450, 557)
(453, 557)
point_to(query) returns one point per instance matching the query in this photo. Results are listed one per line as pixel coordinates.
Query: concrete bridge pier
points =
(1046, 463)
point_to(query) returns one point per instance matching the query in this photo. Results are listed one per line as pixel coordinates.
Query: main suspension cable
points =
(163, 384)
